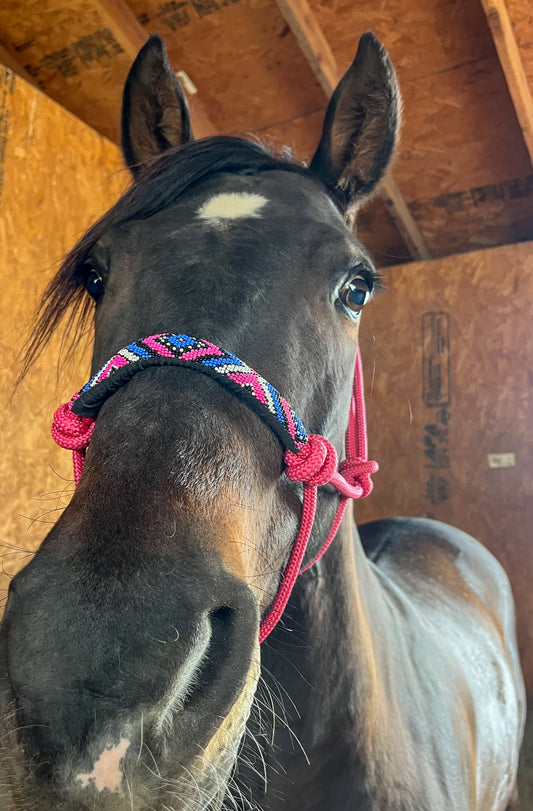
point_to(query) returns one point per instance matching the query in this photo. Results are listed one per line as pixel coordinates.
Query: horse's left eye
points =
(94, 284)
(355, 294)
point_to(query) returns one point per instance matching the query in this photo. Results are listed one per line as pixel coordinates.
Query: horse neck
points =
(329, 653)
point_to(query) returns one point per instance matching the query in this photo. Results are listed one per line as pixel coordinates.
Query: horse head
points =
(130, 642)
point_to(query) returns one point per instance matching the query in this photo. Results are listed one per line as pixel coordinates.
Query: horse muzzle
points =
(126, 694)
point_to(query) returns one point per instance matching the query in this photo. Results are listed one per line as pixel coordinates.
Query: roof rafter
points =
(509, 55)
(316, 49)
(10, 60)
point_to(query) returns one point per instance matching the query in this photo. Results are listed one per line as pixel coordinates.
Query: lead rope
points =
(315, 465)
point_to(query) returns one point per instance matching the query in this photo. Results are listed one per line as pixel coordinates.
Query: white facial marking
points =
(107, 773)
(232, 206)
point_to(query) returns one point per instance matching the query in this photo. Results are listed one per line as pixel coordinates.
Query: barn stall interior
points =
(446, 349)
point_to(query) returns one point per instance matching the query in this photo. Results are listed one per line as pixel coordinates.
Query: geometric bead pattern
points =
(183, 350)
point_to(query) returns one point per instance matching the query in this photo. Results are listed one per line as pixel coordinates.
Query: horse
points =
(131, 671)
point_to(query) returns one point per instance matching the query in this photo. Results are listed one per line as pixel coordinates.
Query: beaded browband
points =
(309, 458)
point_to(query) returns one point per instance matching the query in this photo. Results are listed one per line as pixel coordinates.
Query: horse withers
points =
(131, 675)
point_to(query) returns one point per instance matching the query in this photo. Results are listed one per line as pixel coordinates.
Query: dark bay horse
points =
(131, 675)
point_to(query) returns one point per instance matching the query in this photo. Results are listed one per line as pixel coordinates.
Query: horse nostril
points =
(213, 645)
(222, 619)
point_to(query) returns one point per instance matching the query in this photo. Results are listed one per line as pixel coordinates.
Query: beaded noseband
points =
(309, 458)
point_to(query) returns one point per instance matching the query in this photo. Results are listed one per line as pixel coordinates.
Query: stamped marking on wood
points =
(436, 395)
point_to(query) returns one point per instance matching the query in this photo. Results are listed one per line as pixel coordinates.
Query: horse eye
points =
(355, 294)
(94, 284)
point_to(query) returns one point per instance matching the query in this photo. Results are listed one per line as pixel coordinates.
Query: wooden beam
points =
(127, 30)
(316, 49)
(403, 219)
(312, 42)
(509, 54)
(9, 59)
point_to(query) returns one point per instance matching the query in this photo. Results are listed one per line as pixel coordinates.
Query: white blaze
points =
(231, 206)
(107, 772)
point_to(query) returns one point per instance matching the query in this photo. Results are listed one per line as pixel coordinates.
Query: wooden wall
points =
(447, 353)
(57, 175)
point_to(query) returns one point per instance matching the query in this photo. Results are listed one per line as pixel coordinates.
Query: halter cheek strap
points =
(309, 458)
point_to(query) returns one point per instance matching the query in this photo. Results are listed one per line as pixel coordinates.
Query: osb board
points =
(56, 177)
(240, 54)
(447, 353)
(378, 233)
(459, 132)
(521, 14)
(72, 54)
(422, 37)
(462, 164)
(461, 142)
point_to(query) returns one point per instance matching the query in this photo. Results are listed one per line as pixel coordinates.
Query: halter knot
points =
(70, 431)
(314, 464)
(357, 473)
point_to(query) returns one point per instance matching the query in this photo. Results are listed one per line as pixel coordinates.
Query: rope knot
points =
(70, 431)
(314, 464)
(357, 472)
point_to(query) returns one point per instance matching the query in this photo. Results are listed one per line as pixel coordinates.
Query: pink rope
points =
(73, 433)
(314, 465)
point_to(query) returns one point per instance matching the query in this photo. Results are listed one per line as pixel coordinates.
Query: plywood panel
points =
(458, 132)
(462, 163)
(448, 353)
(477, 217)
(56, 177)
(460, 135)
(521, 14)
(468, 184)
(239, 54)
(422, 37)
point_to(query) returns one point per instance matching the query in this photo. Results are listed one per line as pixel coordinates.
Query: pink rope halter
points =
(309, 458)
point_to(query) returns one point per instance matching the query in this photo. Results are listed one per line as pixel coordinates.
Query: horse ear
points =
(361, 126)
(155, 114)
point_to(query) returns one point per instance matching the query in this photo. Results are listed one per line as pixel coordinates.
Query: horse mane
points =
(156, 188)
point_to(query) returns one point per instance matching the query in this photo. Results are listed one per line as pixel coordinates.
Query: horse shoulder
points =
(423, 556)
(453, 616)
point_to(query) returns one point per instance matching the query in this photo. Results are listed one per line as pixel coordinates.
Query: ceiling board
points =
(421, 37)
(460, 130)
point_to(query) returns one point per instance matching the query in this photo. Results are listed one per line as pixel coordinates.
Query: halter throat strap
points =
(309, 458)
